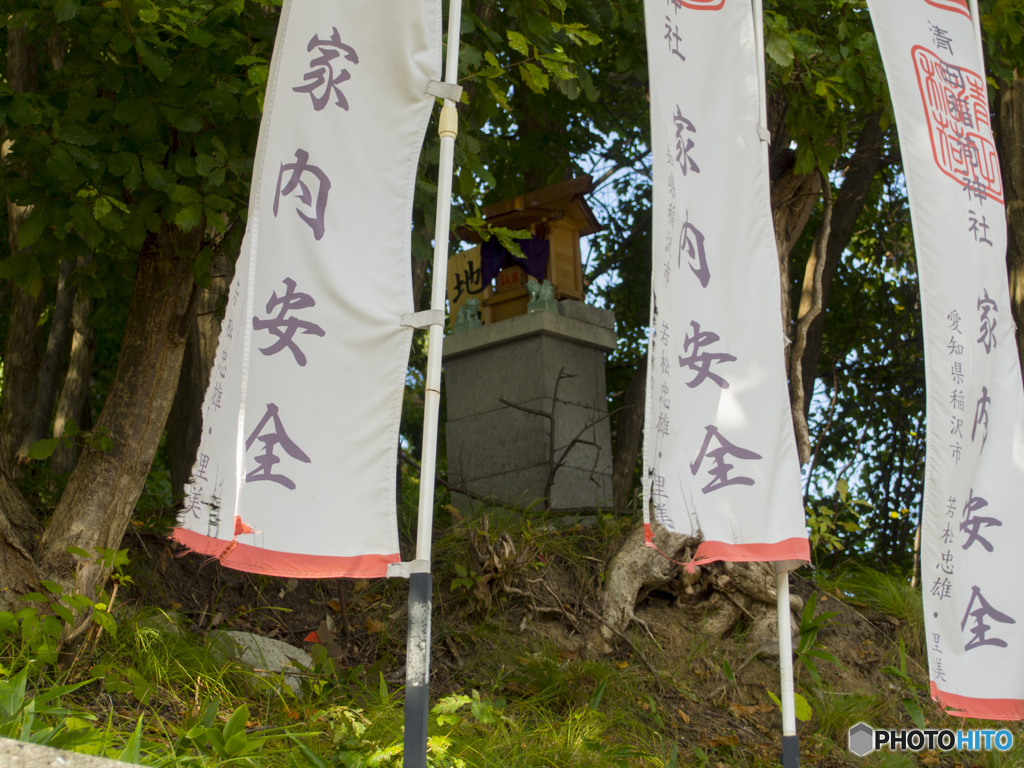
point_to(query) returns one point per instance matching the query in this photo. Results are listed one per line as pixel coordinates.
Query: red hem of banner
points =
(961, 8)
(245, 557)
(982, 709)
(710, 551)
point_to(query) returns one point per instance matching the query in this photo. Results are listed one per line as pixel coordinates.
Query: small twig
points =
(763, 649)
(736, 602)
(632, 645)
(489, 500)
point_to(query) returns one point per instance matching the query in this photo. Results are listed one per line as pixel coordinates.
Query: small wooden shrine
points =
(559, 215)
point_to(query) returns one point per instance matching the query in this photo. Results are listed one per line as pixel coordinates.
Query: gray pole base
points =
(417, 671)
(790, 752)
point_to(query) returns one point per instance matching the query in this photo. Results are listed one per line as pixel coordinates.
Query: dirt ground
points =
(687, 672)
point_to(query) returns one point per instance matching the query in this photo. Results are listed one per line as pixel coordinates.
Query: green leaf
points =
(43, 449)
(64, 613)
(780, 50)
(236, 723)
(78, 551)
(534, 77)
(106, 621)
(71, 428)
(727, 670)
(205, 164)
(183, 195)
(199, 37)
(65, 10)
(75, 133)
(52, 586)
(32, 228)
(914, 710)
(62, 163)
(518, 42)
(133, 749)
(130, 110)
(156, 63)
(311, 758)
(189, 216)
(120, 42)
(803, 709)
(157, 176)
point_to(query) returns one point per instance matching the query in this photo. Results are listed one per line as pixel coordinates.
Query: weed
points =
(809, 649)
(911, 688)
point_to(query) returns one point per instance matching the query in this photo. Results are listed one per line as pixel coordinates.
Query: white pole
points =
(448, 129)
(790, 744)
(976, 18)
(417, 665)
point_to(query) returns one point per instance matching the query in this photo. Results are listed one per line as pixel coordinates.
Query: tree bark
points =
(185, 422)
(1009, 108)
(419, 279)
(21, 365)
(97, 505)
(74, 394)
(21, 353)
(793, 200)
(20, 529)
(849, 202)
(49, 368)
(628, 436)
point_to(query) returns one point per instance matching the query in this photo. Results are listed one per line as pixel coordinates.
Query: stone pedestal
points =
(496, 450)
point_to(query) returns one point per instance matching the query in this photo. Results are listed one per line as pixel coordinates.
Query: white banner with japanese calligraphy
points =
(295, 474)
(972, 531)
(719, 449)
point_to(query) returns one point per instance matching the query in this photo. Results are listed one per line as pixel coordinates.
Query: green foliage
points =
(824, 523)
(149, 125)
(889, 594)
(911, 687)
(98, 440)
(465, 580)
(802, 709)
(809, 647)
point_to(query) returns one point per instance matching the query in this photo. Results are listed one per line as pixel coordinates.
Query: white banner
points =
(719, 450)
(971, 535)
(295, 475)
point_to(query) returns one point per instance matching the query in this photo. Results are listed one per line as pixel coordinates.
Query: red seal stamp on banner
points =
(956, 6)
(955, 104)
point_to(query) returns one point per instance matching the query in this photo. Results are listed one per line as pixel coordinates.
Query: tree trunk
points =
(21, 365)
(1009, 107)
(419, 278)
(21, 353)
(185, 422)
(49, 369)
(849, 202)
(74, 394)
(628, 435)
(793, 200)
(20, 529)
(97, 505)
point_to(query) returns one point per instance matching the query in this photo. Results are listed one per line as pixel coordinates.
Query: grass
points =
(889, 595)
(154, 694)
